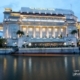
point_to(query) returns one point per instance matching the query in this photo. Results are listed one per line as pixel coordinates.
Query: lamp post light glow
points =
(5, 43)
(5, 47)
(65, 44)
(29, 44)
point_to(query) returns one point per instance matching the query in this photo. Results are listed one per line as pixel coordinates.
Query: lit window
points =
(61, 30)
(43, 29)
(24, 29)
(56, 29)
(49, 29)
(37, 29)
(30, 29)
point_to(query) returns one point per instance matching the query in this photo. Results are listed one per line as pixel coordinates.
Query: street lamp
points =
(65, 44)
(30, 44)
(5, 47)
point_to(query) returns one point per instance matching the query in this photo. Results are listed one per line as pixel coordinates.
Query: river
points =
(39, 68)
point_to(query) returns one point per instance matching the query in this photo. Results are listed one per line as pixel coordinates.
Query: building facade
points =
(41, 27)
(1, 30)
(78, 27)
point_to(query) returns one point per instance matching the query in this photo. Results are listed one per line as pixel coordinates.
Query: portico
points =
(44, 31)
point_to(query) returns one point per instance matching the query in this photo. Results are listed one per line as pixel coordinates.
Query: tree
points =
(2, 42)
(20, 33)
(73, 31)
(60, 35)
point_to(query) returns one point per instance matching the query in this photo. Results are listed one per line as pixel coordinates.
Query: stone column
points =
(53, 31)
(40, 31)
(7, 33)
(47, 32)
(67, 33)
(34, 35)
(27, 31)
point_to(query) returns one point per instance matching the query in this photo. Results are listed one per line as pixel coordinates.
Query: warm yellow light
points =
(37, 29)
(43, 29)
(61, 30)
(56, 29)
(49, 29)
(30, 29)
(15, 14)
(24, 29)
(8, 9)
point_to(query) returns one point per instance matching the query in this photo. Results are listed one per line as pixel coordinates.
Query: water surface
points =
(39, 68)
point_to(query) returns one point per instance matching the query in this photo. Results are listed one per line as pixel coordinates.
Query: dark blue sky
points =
(17, 4)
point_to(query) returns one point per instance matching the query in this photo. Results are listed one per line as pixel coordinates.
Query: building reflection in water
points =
(24, 69)
(66, 63)
(15, 65)
(5, 64)
(39, 68)
(79, 62)
(24, 64)
(73, 63)
(30, 64)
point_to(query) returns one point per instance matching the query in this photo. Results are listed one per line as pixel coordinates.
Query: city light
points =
(30, 29)
(49, 29)
(43, 29)
(56, 29)
(29, 44)
(61, 30)
(65, 44)
(37, 29)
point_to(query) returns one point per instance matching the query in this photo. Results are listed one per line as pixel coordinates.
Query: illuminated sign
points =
(8, 9)
(42, 9)
(15, 14)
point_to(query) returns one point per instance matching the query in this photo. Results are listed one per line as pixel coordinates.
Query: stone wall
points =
(50, 50)
(5, 50)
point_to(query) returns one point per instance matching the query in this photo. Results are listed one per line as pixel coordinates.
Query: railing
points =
(46, 40)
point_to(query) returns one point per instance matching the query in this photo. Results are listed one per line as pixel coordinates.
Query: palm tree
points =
(73, 31)
(20, 33)
(2, 42)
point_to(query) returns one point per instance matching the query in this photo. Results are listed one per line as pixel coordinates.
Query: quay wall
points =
(41, 50)
(6, 50)
(50, 50)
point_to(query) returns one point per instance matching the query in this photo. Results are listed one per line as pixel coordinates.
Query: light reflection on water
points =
(39, 68)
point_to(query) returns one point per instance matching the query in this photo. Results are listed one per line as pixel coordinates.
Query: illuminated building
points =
(1, 30)
(48, 27)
